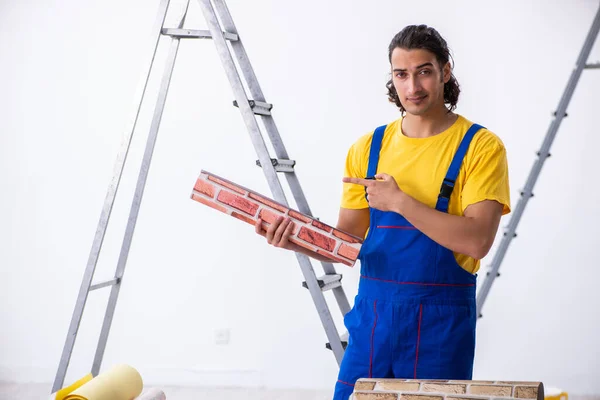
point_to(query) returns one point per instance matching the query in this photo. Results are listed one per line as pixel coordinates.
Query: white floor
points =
(37, 391)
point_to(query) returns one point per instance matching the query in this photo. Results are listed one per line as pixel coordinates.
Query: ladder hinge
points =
(327, 282)
(539, 153)
(259, 107)
(281, 165)
(566, 114)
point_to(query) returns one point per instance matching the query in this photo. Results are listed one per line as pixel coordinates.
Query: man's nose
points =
(414, 86)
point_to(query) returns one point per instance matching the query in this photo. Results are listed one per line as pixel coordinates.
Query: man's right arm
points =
(354, 222)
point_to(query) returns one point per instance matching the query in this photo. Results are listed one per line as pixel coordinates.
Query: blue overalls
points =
(414, 315)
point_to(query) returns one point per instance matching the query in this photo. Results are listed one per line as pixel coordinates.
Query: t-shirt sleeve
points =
(353, 196)
(487, 177)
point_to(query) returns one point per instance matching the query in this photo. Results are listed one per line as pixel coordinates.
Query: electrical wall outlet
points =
(222, 336)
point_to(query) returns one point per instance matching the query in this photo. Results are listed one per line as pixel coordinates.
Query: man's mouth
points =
(416, 99)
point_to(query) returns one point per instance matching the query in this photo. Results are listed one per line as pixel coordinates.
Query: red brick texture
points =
(246, 205)
(414, 389)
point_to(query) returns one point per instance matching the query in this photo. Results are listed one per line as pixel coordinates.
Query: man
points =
(428, 191)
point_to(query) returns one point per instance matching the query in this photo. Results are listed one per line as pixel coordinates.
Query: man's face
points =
(418, 80)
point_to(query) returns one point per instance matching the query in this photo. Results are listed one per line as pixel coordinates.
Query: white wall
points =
(69, 73)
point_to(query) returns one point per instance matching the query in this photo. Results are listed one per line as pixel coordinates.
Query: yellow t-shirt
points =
(420, 164)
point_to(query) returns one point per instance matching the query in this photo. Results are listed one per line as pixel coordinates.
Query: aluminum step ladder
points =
(542, 155)
(252, 105)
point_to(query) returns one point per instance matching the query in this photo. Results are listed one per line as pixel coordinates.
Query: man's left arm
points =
(471, 234)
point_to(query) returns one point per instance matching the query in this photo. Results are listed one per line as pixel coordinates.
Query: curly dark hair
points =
(427, 38)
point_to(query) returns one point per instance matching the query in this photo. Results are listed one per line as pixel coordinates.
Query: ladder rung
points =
(327, 282)
(258, 107)
(111, 282)
(343, 338)
(195, 34)
(593, 66)
(281, 165)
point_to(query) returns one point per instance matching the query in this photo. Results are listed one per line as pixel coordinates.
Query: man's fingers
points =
(289, 231)
(358, 181)
(279, 234)
(258, 227)
(273, 229)
(383, 177)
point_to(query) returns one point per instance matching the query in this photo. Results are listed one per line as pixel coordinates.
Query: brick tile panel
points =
(362, 385)
(227, 184)
(243, 217)
(413, 396)
(268, 216)
(374, 396)
(247, 206)
(415, 389)
(268, 202)
(300, 217)
(491, 390)
(238, 202)
(345, 237)
(205, 188)
(348, 252)
(322, 226)
(333, 258)
(445, 388)
(209, 203)
(316, 238)
(400, 386)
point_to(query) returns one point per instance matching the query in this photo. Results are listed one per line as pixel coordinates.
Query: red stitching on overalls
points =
(396, 227)
(345, 383)
(418, 338)
(419, 283)
(372, 340)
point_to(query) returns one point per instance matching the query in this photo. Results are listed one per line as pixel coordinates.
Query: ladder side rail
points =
(106, 213)
(542, 156)
(137, 197)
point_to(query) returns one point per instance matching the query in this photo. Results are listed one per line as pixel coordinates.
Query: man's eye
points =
(425, 72)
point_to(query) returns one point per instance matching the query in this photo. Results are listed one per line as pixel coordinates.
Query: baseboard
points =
(158, 375)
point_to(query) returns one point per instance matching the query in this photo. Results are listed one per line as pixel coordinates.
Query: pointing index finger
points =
(359, 181)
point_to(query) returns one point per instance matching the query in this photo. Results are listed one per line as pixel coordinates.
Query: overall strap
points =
(374, 154)
(375, 148)
(452, 174)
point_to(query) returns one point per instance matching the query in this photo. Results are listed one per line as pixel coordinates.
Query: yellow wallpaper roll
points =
(64, 392)
(121, 382)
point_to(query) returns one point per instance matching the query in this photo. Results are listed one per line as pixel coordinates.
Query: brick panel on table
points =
(248, 206)
(418, 389)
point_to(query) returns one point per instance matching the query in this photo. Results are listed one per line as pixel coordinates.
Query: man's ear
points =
(447, 72)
